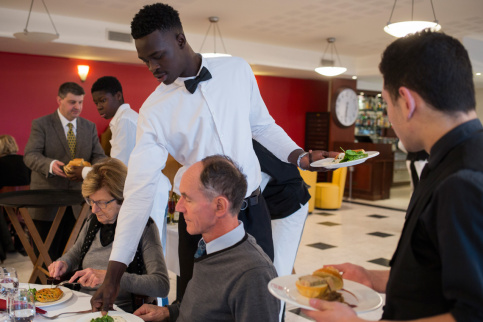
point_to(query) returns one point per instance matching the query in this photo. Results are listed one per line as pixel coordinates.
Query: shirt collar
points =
(180, 80)
(451, 139)
(65, 121)
(227, 240)
(119, 111)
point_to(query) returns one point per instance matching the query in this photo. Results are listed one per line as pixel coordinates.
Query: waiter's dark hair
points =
(72, 88)
(222, 176)
(158, 16)
(434, 65)
(108, 84)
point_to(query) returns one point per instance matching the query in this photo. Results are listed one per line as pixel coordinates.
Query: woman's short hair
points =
(8, 145)
(109, 173)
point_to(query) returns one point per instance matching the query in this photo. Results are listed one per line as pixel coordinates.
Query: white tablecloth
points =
(78, 302)
(172, 261)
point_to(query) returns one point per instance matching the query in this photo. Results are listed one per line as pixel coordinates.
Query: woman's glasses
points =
(100, 204)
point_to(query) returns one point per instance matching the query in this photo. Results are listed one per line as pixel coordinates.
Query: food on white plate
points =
(78, 162)
(108, 318)
(323, 283)
(45, 295)
(350, 155)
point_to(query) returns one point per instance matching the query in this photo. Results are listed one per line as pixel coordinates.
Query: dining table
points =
(72, 301)
(18, 203)
(172, 258)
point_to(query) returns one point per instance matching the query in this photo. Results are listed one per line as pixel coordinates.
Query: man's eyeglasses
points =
(100, 204)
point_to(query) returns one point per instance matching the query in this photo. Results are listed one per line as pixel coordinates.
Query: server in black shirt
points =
(437, 269)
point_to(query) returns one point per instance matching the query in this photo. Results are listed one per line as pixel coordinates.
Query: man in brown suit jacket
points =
(47, 151)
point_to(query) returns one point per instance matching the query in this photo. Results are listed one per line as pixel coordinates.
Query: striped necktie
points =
(71, 140)
(201, 251)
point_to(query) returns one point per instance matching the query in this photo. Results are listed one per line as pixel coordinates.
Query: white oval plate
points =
(329, 164)
(362, 298)
(126, 316)
(65, 297)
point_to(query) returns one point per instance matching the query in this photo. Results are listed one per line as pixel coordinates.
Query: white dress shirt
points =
(221, 117)
(227, 240)
(123, 128)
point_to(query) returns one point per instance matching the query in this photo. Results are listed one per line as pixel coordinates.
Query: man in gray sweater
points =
(231, 271)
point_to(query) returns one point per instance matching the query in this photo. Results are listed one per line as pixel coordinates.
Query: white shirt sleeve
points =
(264, 128)
(144, 175)
(123, 140)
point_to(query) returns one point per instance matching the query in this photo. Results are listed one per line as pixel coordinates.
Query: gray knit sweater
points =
(230, 285)
(155, 283)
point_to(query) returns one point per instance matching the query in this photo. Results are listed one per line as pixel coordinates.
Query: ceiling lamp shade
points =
(404, 28)
(37, 36)
(213, 23)
(327, 67)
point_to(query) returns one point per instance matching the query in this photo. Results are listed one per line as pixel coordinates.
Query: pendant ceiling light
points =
(216, 29)
(328, 67)
(403, 28)
(37, 36)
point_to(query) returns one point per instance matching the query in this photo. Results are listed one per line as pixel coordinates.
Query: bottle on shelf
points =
(176, 213)
(171, 208)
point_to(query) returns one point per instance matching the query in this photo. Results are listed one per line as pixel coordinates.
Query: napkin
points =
(3, 307)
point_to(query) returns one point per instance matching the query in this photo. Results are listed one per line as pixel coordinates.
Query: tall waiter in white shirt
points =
(108, 97)
(202, 107)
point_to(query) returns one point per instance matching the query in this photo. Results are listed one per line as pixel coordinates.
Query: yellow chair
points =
(328, 195)
(310, 178)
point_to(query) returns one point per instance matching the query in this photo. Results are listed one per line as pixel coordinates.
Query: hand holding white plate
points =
(360, 297)
(328, 163)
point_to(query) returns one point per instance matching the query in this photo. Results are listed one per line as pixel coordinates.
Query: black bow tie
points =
(191, 84)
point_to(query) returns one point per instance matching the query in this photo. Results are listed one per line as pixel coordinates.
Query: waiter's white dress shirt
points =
(221, 117)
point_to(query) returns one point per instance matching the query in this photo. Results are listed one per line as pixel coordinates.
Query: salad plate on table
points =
(333, 163)
(112, 316)
(359, 297)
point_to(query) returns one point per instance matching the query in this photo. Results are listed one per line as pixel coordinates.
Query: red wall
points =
(29, 84)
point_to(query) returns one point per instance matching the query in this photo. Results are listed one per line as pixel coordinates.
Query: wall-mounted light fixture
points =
(214, 23)
(403, 28)
(328, 67)
(83, 70)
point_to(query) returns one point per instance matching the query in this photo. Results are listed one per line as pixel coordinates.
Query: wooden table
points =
(21, 201)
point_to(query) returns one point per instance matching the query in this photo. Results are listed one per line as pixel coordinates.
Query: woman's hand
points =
(89, 277)
(57, 269)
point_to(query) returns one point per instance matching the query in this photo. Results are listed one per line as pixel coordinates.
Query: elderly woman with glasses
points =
(146, 275)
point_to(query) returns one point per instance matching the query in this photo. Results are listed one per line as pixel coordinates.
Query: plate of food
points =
(48, 296)
(325, 283)
(112, 316)
(345, 159)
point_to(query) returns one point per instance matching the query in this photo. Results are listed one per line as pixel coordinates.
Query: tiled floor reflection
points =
(360, 234)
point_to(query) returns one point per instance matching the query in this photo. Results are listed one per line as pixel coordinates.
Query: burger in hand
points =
(73, 169)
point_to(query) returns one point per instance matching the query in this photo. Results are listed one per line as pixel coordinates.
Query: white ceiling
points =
(278, 37)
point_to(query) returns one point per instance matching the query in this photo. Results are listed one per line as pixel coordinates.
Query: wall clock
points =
(346, 108)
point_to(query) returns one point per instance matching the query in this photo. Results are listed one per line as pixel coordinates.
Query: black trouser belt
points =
(251, 200)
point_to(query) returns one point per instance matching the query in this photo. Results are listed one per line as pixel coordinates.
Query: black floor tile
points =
(380, 234)
(380, 261)
(324, 214)
(321, 246)
(377, 216)
(329, 223)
